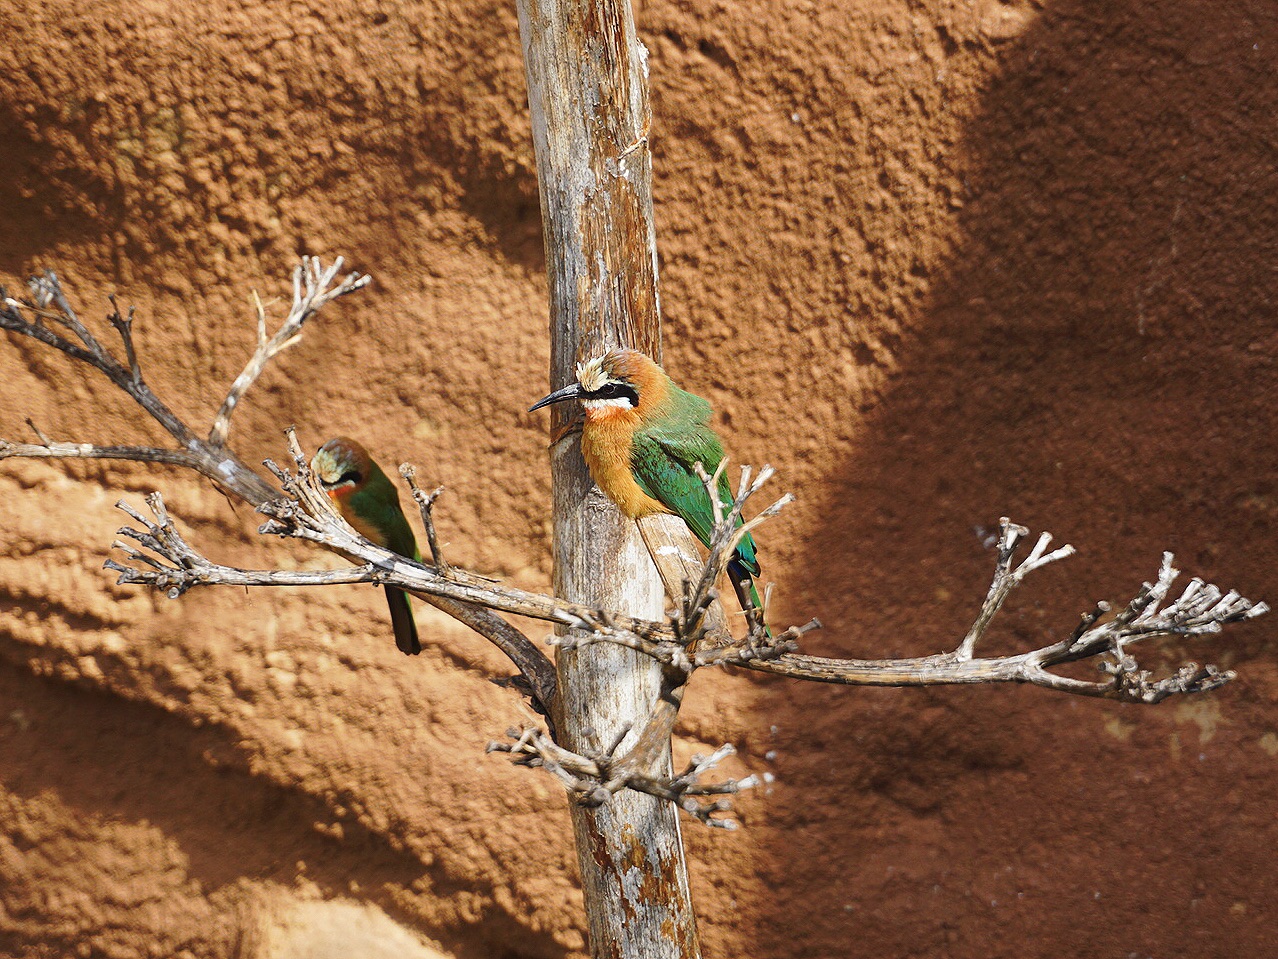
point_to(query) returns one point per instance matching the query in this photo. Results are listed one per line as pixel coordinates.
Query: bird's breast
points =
(606, 445)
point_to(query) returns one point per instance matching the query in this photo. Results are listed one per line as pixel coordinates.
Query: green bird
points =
(368, 500)
(642, 439)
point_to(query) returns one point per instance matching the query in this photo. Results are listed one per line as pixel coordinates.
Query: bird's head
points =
(620, 381)
(342, 466)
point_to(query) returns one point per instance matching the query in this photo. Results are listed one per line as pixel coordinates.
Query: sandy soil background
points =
(939, 262)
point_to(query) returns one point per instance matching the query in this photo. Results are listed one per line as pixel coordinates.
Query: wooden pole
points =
(588, 98)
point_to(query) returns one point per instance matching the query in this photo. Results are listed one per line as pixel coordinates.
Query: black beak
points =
(559, 396)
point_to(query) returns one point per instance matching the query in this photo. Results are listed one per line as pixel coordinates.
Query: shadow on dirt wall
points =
(1098, 361)
(112, 761)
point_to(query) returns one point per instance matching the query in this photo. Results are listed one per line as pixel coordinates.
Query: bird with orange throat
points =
(368, 500)
(642, 439)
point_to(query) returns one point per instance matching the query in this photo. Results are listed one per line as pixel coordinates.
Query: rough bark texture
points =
(936, 262)
(588, 97)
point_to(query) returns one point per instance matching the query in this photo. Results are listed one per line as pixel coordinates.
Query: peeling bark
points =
(588, 99)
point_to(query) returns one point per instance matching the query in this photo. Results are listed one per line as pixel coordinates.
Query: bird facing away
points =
(642, 439)
(368, 500)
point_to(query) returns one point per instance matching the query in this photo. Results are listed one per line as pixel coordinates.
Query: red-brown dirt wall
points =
(937, 262)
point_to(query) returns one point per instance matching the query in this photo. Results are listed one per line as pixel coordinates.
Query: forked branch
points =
(312, 289)
(48, 317)
(1007, 577)
(426, 503)
(1201, 609)
(42, 317)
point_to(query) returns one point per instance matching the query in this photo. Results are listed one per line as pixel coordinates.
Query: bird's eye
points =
(350, 476)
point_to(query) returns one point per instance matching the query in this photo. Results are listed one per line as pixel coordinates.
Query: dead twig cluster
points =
(592, 779)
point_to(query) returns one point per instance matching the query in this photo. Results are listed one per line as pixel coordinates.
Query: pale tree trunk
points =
(588, 97)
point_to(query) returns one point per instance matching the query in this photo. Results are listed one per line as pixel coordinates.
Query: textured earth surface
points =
(938, 262)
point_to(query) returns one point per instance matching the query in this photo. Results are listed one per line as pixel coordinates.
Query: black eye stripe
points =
(350, 476)
(613, 391)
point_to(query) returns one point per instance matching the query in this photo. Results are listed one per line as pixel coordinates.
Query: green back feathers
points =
(663, 456)
(377, 503)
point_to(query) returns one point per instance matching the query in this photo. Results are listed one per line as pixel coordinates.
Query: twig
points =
(725, 539)
(48, 291)
(40, 434)
(311, 291)
(140, 454)
(124, 326)
(425, 503)
(1006, 578)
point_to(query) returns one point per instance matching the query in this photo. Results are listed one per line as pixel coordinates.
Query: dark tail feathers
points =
(748, 596)
(402, 620)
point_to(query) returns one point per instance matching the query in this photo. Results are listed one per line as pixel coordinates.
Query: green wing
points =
(664, 466)
(378, 504)
(399, 535)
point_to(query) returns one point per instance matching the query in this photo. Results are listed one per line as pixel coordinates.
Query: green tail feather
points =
(402, 620)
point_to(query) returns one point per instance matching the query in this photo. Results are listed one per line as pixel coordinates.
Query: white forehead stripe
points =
(591, 375)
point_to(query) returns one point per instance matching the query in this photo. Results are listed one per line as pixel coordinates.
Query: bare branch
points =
(1201, 609)
(46, 291)
(311, 291)
(593, 779)
(686, 791)
(139, 454)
